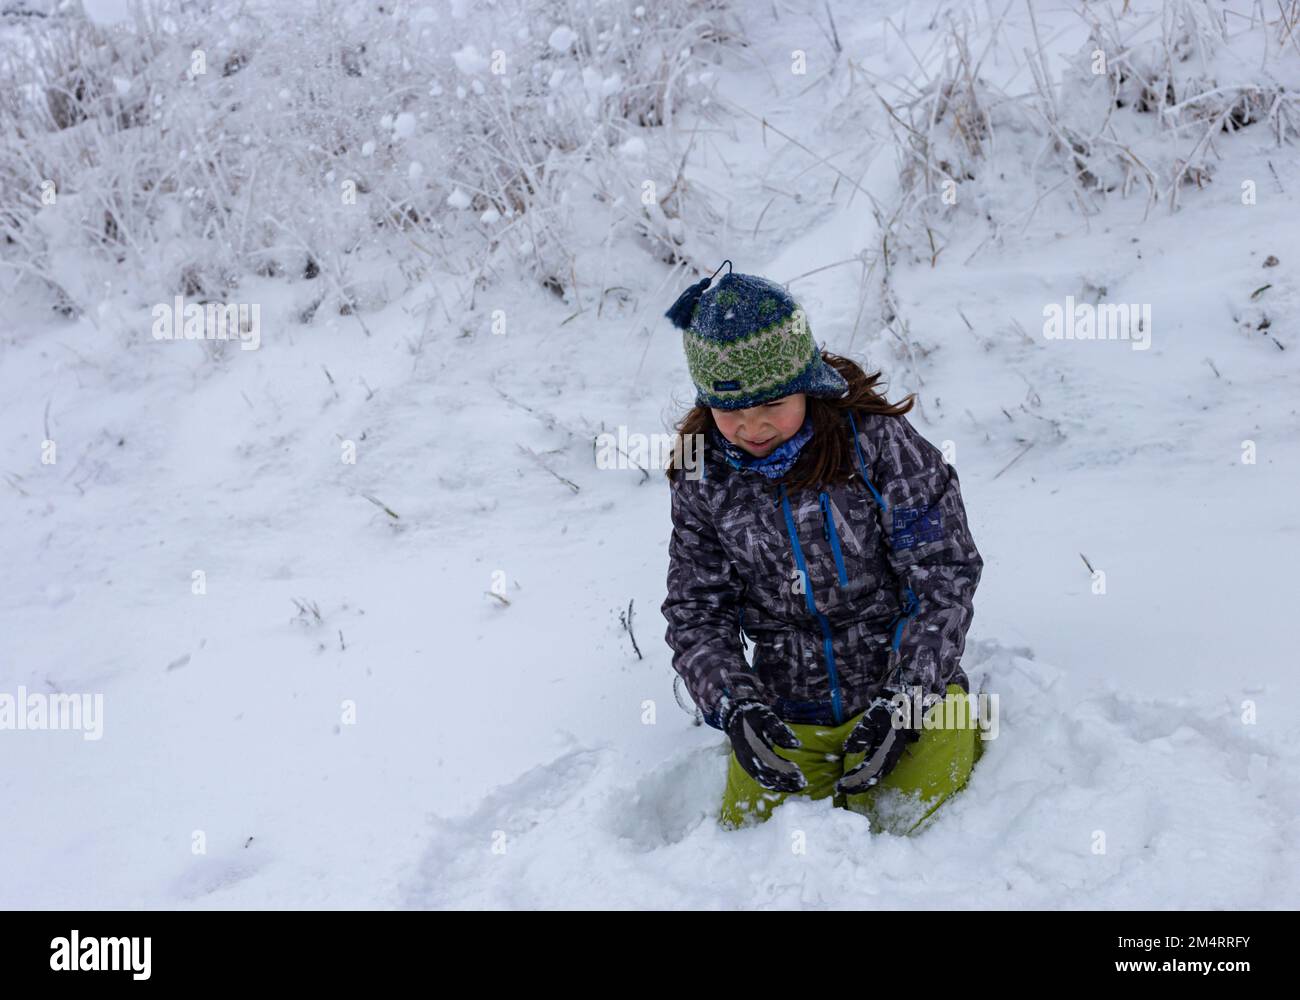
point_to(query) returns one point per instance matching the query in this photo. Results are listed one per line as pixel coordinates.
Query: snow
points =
(404, 125)
(107, 12)
(1024, 839)
(562, 38)
(634, 149)
(501, 754)
(469, 61)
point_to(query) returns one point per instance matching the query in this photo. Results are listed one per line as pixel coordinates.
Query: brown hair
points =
(828, 457)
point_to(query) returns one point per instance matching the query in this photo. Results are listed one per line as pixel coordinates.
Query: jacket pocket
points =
(776, 658)
(862, 650)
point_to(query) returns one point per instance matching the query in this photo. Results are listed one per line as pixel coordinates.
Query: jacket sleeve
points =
(702, 608)
(930, 550)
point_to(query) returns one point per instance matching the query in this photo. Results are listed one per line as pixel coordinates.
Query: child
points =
(823, 528)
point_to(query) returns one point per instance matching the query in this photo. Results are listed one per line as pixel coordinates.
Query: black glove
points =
(882, 736)
(754, 729)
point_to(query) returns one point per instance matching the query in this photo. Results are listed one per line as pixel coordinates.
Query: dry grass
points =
(343, 147)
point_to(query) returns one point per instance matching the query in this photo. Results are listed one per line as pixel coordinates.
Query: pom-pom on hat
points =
(748, 342)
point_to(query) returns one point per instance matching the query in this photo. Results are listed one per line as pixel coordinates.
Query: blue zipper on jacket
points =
(905, 616)
(862, 464)
(833, 536)
(836, 702)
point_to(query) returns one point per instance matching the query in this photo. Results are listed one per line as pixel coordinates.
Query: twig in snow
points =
(1016, 459)
(333, 387)
(645, 475)
(538, 459)
(625, 619)
(1022, 331)
(1275, 176)
(382, 506)
(307, 610)
(835, 35)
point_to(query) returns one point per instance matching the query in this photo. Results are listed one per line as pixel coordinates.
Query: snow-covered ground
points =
(411, 740)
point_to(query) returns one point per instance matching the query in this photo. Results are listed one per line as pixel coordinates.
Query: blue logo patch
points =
(914, 525)
(730, 385)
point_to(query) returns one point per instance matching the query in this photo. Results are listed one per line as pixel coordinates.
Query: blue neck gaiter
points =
(773, 465)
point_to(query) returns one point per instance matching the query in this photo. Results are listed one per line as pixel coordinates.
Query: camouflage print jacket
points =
(890, 568)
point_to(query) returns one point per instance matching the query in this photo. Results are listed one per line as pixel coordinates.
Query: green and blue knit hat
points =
(748, 342)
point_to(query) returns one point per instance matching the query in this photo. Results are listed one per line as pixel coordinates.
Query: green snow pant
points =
(931, 770)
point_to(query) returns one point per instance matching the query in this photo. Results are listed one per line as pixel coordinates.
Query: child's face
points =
(760, 429)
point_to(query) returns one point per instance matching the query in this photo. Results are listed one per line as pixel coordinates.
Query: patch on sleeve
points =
(915, 525)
